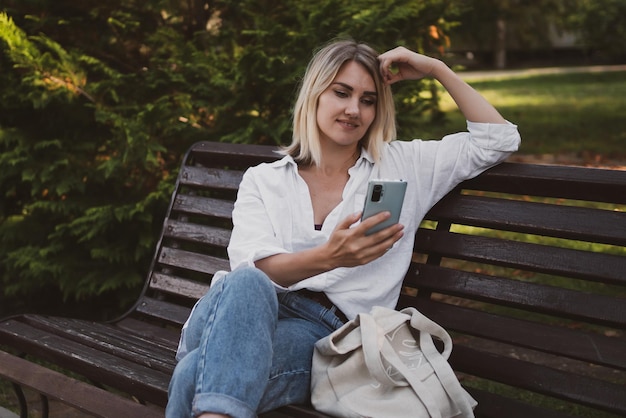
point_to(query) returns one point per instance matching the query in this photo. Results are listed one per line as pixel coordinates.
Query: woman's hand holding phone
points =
(351, 246)
(348, 246)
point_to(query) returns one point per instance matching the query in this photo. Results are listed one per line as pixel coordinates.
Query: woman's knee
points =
(249, 279)
(242, 287)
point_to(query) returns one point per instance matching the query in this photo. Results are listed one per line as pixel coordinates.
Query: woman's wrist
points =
(440, 70)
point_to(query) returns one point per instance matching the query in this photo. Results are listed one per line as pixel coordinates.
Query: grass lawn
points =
(581, 113)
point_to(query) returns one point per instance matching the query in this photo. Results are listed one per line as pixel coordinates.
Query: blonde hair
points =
(320, 73)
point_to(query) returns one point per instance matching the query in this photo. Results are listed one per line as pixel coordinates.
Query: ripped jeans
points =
(250, 349)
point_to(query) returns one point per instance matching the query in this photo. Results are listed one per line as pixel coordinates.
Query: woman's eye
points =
(340, 93)
(368, 102)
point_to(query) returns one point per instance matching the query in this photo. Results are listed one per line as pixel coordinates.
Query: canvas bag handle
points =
(376, 347)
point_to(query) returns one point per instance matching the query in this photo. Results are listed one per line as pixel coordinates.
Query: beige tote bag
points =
(384, 365)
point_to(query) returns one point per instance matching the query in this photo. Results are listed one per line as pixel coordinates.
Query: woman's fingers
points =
(351, 247)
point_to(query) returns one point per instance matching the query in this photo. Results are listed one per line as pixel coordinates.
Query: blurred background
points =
(100, 99)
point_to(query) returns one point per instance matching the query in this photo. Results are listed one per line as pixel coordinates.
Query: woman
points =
(302, 263)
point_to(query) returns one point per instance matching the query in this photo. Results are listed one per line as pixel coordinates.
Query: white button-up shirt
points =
(273, 213)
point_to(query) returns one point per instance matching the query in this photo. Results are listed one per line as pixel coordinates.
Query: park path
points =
(526, 72)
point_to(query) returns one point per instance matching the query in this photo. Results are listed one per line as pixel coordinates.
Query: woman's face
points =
(347, 108)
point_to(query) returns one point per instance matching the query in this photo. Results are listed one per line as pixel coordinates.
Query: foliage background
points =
(98, 101)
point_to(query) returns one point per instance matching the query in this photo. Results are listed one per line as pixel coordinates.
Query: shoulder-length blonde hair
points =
(320, 73)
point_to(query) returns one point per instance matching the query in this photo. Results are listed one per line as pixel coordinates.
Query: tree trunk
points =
(500, 44)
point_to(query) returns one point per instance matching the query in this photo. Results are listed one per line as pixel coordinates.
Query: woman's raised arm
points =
(403, 64)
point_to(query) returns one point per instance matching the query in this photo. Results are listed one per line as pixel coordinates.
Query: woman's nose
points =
(352, 109)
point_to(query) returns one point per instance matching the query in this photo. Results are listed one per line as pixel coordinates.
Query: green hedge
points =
(98, 100)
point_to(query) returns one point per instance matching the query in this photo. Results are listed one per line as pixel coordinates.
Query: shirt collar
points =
(286, 160)
(366, 156)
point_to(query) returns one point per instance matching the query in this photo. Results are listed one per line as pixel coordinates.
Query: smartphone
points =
(384, 195)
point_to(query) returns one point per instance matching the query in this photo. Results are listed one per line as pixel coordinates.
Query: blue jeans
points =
(250, 349)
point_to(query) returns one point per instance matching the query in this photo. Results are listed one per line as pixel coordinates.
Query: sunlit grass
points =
(582, 113)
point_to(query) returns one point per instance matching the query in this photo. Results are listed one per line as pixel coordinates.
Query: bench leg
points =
(74, 393)
(45, 407)
(21, 399)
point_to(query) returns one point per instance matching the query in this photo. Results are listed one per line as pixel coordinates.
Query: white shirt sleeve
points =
(436, 167)
(253, 237)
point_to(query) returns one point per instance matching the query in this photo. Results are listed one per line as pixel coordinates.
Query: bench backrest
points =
(525, 265)
(197, 228)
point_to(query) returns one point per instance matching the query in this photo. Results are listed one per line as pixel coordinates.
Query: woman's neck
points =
(334, 163)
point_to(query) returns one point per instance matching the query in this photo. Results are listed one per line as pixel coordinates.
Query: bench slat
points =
(491, 405)
(569, 222)
(541, 379)
(85, 397)
(591, 184)
(210, 178)
(203, 206)
(108, 339)
(178, 286)
(166, 336)
(565, 303)
(230, 155)
(576, 344)
(192, 261)
(605, 268)
(294, 411)
(202, 234)
(167, 312)
(84, 330)
(143, 382)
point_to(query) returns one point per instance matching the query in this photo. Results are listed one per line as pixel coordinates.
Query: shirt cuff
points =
(495, 136)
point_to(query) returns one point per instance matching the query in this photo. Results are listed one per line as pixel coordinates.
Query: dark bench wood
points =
(83, 396)
(525, 272)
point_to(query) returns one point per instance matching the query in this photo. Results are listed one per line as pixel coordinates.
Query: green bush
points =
(98, 100)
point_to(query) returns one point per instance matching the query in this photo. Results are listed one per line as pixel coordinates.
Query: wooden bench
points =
(525, 266)
(82, 396)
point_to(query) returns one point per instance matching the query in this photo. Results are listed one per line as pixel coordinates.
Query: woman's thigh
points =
(301, 324)
(290, 374)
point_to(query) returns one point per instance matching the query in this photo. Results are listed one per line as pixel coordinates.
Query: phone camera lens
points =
(377, 192)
